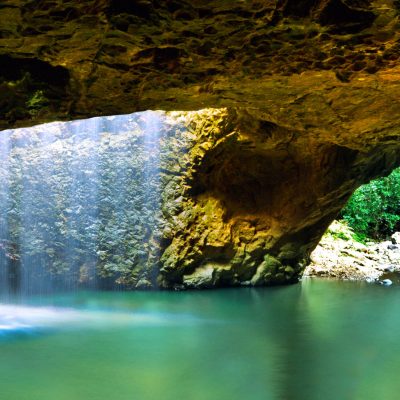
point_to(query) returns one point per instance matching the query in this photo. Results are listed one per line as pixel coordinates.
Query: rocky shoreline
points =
(339, 256)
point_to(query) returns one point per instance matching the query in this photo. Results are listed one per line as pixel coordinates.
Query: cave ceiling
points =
(321, 67)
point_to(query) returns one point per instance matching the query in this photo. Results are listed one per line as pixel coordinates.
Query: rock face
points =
(68, 59)
(305, 97)
(258, 198)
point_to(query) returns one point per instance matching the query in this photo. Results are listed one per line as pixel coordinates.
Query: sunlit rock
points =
(396, 238)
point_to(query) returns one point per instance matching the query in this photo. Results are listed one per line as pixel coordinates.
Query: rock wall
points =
(172, 200)
(305, 97)
(256, 199)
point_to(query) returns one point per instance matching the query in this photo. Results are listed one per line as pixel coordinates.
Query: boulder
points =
(395, 238)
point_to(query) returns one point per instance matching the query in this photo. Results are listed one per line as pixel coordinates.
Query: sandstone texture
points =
(300, 105)
(278, 58)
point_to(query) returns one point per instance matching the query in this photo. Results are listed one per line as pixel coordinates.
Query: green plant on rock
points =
(37, 101)
(374, 209)
(340, 235)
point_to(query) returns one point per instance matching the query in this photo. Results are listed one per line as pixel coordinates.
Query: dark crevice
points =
(139, 8)
(29, 87)
(13, 69)
(344, 18)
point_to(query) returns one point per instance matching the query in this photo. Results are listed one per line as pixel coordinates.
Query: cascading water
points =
(79, 202)
(8, 254)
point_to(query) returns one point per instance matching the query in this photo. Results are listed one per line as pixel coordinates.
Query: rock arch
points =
(304, 109)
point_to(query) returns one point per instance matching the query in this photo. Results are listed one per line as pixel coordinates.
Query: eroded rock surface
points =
(257, 199)
(306, 98)
(68, 59)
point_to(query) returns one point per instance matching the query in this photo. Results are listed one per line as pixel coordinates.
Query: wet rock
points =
(208, 276)
(343, 17)
(266, 271)
(144, 284)
(386, 282)
(389, 268)
(202, 277)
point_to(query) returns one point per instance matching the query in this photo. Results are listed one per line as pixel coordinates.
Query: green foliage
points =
(36, 102)
(360, 237)
(22, 98)
(374, 209)
(340, 235)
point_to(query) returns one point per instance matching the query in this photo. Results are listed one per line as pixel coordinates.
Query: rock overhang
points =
(65, 60)
(305, 96)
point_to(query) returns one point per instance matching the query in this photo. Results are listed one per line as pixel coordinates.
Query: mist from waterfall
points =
(79, 202)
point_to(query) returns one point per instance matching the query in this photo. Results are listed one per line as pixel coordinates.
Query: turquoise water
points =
(318, 340)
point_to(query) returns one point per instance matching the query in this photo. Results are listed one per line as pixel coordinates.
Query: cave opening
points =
(363, 243)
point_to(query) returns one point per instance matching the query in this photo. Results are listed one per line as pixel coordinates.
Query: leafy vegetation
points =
(374, 209)
(37, 101)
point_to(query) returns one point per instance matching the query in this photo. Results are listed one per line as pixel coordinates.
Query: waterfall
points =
(7, 258)
(152, 184)
(79, 202)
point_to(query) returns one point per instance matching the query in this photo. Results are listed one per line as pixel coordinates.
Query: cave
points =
(151, 151)
(288, 117)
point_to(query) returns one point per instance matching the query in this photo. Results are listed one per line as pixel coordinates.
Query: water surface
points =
(318, 340)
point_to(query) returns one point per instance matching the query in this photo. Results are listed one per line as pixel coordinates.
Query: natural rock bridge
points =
(299, 105)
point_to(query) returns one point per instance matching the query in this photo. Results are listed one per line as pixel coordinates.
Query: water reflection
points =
(318, 340)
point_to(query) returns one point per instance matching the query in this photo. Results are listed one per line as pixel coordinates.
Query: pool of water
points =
(316, 340)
